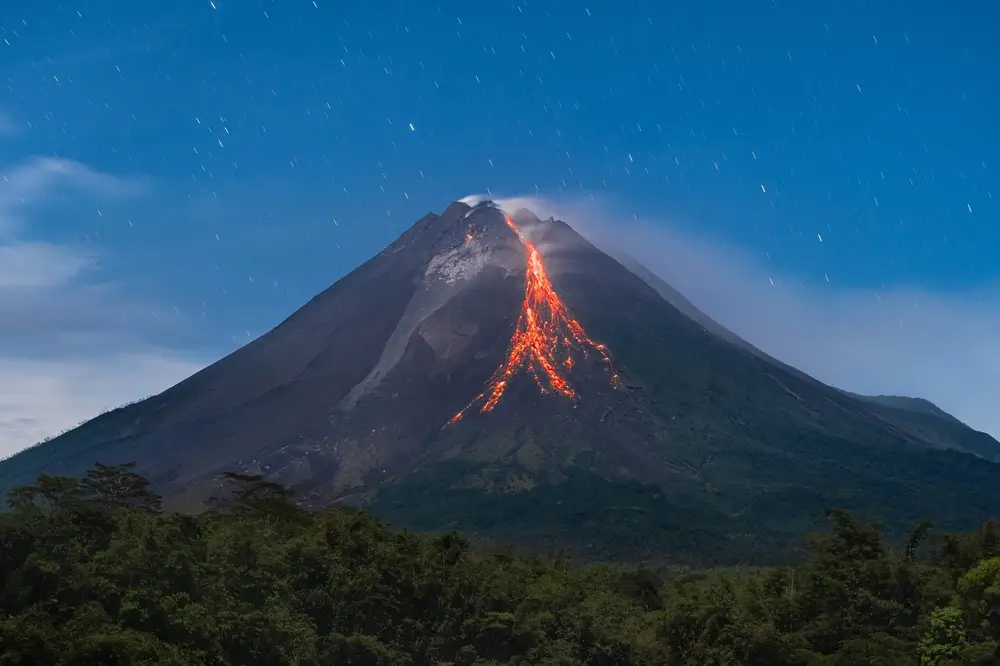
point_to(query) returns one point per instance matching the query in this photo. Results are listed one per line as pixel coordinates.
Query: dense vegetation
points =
(745, 509)
(93, 572)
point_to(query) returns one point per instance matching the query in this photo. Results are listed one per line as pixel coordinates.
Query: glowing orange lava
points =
(544, 340)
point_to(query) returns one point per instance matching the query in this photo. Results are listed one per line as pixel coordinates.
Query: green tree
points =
(945, 639)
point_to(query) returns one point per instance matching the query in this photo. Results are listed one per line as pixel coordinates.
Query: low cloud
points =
(899, 339)
(72, 343)
(40, 398)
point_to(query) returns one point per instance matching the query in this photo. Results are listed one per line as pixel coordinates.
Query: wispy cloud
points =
(902, 340)
(25, 265)
(26, 186)
(71, 344)
(42, 292)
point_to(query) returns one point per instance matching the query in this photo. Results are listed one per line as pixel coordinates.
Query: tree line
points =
(95, 572)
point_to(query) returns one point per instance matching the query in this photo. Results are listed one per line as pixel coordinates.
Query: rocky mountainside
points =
(497, 373)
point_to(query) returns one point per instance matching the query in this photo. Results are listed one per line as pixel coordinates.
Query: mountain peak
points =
(573, 376)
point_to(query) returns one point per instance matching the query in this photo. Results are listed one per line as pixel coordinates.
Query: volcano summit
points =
(497, 373)
(545, 337)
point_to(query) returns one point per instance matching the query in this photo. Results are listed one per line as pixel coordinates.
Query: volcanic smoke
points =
(544, 340)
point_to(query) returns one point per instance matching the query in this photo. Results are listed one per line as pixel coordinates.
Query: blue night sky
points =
(179, 177)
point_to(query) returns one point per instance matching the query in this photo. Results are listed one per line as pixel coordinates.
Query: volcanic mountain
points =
(497, 373)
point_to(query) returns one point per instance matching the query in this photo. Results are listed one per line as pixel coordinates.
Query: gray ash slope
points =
(347, 400)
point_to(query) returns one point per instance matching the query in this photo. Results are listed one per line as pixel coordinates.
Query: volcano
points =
(497, 373)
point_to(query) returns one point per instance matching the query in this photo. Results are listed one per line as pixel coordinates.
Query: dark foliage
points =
(94, 573)
(743, 521)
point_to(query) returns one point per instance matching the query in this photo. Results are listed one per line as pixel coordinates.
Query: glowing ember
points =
(545, 338)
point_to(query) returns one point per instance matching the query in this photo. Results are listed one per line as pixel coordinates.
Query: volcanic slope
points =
(497, 373)
(927, 422)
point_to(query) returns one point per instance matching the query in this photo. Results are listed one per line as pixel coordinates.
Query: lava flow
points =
(544, 339)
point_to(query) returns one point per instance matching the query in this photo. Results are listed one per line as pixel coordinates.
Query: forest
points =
(95, 572)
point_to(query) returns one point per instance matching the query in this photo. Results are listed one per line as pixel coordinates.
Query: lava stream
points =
(544, 339)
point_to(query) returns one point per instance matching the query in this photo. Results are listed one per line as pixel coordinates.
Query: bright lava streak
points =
(544, 340)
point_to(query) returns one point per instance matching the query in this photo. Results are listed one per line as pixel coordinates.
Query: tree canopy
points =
(93, 572)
